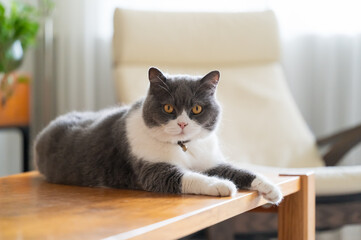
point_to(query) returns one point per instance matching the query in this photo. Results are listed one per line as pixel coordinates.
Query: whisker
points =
(165, 87)
(166, 91)
(163, 82)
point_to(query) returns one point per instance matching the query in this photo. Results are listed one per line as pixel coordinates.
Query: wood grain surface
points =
(31, 208)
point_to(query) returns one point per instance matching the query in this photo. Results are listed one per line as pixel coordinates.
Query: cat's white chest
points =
(204, 154)
(201, 154)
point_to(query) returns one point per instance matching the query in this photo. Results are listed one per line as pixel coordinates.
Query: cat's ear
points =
(155, 75)
(210, 81)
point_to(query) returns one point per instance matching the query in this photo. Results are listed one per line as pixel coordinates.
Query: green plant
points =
(19, 25)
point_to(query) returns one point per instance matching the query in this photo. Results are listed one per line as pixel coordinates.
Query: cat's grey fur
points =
(93, 148)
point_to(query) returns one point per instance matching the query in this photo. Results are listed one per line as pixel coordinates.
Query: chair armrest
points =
(340, 143)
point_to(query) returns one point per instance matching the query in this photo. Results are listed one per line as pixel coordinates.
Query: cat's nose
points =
(182, 125)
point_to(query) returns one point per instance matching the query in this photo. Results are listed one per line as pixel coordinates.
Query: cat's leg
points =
(247, 180)
(168, 178)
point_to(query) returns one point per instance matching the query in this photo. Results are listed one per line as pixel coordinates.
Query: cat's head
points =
(181, 107)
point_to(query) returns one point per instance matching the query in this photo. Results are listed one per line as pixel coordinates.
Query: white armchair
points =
(262, 127)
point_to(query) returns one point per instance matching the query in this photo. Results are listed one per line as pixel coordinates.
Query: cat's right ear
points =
(155, 75)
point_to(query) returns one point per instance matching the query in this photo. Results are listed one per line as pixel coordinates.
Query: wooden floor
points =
(31, 208)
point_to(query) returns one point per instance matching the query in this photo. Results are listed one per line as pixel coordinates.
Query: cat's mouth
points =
(175, 134)
(182, 136)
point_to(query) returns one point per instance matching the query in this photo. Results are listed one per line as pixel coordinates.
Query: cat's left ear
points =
(210, 81)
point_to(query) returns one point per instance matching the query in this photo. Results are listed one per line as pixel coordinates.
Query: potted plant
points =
(18, 29)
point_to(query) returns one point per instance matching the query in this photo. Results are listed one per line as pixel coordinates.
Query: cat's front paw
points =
(268, 190)
(220, 187)
(195, 183)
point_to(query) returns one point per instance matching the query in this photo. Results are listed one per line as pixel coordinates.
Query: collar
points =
(182, 145)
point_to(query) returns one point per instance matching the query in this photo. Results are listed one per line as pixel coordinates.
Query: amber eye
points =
(197, 109)
(168, 108)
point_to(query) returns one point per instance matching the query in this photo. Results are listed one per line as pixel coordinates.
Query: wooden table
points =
(31, 208)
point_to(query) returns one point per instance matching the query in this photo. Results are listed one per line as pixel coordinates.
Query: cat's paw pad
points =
(221, 187)
(267, 189)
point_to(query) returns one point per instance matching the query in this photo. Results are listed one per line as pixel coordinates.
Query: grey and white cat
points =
(165, 143)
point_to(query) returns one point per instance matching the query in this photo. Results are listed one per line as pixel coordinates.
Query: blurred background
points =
(69, 66)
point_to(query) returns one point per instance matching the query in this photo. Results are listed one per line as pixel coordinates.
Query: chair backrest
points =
(261, 123)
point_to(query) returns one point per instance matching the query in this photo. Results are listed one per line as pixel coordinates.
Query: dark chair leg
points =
(25, 134)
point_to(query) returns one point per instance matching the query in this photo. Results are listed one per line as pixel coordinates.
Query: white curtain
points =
(83, 56)
(322, 62)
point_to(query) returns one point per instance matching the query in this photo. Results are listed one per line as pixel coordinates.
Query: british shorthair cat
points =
(164, 143)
